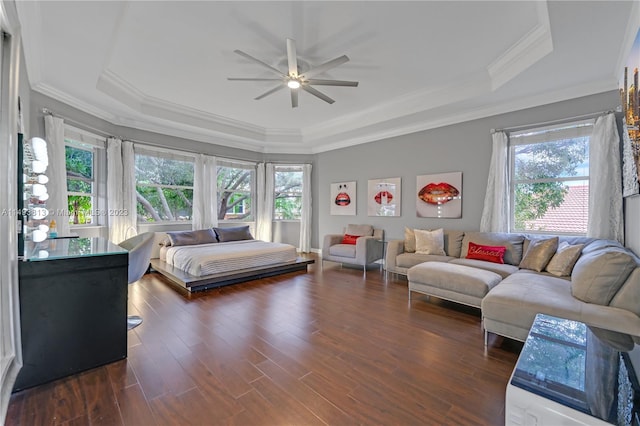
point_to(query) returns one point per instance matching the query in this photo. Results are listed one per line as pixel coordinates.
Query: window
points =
(84, 158)
(236, 183)
(288, 193)
(164, 185)
(550, 179)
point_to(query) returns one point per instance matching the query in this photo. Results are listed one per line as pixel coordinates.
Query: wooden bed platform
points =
(192, 283)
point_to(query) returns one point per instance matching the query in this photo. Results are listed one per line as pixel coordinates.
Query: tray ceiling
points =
(163, 66)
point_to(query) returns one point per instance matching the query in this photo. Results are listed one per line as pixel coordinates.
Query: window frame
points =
(538, 135)
(80, 139)
(166, 154)
(293, 168)
(237, 164)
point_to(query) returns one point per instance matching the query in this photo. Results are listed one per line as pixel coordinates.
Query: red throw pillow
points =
(493, 254)
(350, 239)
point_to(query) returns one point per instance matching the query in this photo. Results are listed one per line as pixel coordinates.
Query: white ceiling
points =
(163, 66)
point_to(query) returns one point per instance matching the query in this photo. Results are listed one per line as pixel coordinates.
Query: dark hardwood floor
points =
(325, 347)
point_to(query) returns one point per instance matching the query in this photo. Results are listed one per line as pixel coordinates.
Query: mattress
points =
(216, 258)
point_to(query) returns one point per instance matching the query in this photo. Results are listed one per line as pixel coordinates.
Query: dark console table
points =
(73, 308)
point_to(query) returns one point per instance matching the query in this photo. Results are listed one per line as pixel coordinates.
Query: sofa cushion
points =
(561, 264)
(359, 230)
(453, 242)
(504, 270)
(628, 297)
(409, 240)
(188, 238)
(457, 278)
(539, 253)
(234, 233)
(430, 242)
(512, 242)
(598, 276)
(343, 250)
(407, 260)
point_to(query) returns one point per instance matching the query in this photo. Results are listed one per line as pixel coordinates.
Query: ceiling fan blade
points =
(326, 66)
(268, 92)
(317, 94)
(332, 82)
(294, 98)
(292, 57)
(258, 61)
(253, 79)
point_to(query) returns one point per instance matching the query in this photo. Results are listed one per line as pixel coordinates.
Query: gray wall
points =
(464, 147)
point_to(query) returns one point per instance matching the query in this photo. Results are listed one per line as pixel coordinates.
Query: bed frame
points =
(191, 283)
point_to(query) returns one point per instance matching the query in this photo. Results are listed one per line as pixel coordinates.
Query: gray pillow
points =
(598, 276)
(189, 238)
(236, 233)
(539, 253)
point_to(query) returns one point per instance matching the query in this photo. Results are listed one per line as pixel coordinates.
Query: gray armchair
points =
(369, 247)
(139, 248)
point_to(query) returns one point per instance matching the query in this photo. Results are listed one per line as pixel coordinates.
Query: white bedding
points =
(215, 258)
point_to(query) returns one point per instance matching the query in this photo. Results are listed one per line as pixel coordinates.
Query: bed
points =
(204, 259)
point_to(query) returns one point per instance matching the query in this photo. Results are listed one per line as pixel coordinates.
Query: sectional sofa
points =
(601, 289)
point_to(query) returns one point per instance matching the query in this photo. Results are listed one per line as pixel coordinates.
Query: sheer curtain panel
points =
(605, 181)
(57, 173)
(121, 190)
(205, 196)
(495, 215)
(265, 186)
(305, 216)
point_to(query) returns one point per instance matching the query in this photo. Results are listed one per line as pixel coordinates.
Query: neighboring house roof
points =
(570, 216)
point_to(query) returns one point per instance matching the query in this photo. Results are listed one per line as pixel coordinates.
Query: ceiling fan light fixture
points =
(293, 84)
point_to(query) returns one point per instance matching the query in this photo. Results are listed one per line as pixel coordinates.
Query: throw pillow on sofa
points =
(512, 243)
(493, 254)
(409, 240)
(561, 264)
(539, 254)
(430, 242)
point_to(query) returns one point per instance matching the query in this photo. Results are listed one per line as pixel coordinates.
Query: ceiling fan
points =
(296, 80)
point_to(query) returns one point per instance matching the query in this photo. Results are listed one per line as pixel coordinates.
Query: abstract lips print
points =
(439, 195)
(383, 197)
(343, 198)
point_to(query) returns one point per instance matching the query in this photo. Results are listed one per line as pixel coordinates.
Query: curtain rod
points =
(47, 111)
(558, 121)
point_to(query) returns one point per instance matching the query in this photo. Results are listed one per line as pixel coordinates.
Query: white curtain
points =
(305, 217)
(265, 187)
(121, 190)
(57, 173)
(495, 215)
(605, 181)
(205, 196)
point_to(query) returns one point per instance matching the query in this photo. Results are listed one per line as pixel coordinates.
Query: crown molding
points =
(535, 45)
(425, 120)
(65, 98)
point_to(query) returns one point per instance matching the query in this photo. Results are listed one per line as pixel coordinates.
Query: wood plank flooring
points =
(327, 347)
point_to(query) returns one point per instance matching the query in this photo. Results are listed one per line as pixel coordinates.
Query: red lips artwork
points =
(380, 196)
(343, 199)
(438, 193)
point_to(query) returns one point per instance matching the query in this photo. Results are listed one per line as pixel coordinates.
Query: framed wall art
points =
(631, 111)
(439, 195)
(343, 198)
(384, 197)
